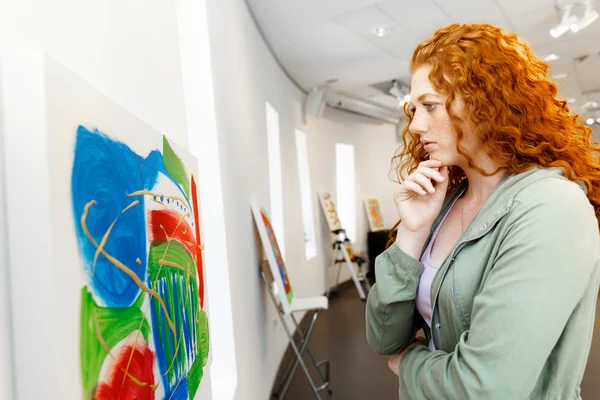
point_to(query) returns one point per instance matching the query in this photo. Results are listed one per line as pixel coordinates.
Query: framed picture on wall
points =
(373, 209)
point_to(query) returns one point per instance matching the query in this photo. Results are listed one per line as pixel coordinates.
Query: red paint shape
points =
(140, 368)
(175, 227)
(198, 252)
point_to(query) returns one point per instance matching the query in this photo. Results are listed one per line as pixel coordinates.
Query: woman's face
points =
(432, 123)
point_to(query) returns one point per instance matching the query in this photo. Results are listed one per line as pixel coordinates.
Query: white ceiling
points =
(318, 40)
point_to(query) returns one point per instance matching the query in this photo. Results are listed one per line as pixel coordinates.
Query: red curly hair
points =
(510, 102)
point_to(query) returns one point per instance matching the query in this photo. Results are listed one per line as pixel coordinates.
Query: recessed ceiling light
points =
(594, 104)
(381, 31)
(598, 120)
(589, 121)
(571, 100)
(557, 77)
(551, 57)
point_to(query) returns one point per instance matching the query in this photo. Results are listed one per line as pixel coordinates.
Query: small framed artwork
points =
(373, 208)
(330, 211)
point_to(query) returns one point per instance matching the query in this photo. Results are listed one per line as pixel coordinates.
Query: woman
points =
(497, 252)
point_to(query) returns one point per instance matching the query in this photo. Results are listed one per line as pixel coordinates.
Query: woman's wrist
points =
(411, 242)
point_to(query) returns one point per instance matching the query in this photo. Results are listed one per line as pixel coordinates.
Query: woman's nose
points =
(418, 124)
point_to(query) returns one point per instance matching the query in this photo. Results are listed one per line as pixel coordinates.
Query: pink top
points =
(423, 299)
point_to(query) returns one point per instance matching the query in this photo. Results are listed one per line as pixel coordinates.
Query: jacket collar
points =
(500, 199)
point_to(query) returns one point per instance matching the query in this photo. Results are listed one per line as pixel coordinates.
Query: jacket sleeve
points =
(544, 265)
(390, 312)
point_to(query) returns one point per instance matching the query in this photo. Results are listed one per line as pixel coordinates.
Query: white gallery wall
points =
(127, 49)
(6, 357)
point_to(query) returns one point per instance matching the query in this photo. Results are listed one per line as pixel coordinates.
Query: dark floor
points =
(357, 372)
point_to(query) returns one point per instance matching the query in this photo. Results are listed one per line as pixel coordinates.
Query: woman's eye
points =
(429, 106)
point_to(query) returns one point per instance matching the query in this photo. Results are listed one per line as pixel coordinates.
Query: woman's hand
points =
(394, 361)
(421, 195)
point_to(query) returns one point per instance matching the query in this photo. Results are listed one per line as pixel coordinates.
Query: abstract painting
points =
(143, 326)
(276, 263)
(373, 209)
(330, 211)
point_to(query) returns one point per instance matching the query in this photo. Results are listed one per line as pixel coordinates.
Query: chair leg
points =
(292, 342)
(299, 359)
(310, 353)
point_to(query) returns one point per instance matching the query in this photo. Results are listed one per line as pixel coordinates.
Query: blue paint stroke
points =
(106, 170)
(179, 391)
(183, 330)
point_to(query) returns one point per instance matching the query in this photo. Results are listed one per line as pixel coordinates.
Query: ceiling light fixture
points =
(565, 24)
(381, 31)
(588, 18)
(571, 100)
(598, 120)
(558, 77)
(589, 121)
(395, 90)
(400, 92)
(551, 57)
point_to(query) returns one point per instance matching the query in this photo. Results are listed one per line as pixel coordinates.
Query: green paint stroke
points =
(181, 297)
(202, 336)
(175, 167)
(196, 371)
(115, 325)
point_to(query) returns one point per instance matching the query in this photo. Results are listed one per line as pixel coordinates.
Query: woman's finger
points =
(431, 163)
(431, 173)
(414, 187)
(423, 181)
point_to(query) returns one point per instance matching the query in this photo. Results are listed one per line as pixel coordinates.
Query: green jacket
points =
(514, 302)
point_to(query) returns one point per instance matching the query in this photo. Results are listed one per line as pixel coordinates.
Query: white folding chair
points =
(280, 291)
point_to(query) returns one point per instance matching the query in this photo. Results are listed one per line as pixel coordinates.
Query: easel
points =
(341, 256)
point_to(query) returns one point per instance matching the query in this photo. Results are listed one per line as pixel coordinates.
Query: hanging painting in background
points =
(330, 211)
(144, 333)
(274, 257)
(373, 209)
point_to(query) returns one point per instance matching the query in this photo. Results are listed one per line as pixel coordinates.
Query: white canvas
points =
(49, 107)
(330, 211)
(283, 287)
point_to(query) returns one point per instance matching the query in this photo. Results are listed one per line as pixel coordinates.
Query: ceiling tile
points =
(305, 11)
(514, 8)
(422, 18)
(361, 22)
(475, 11)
